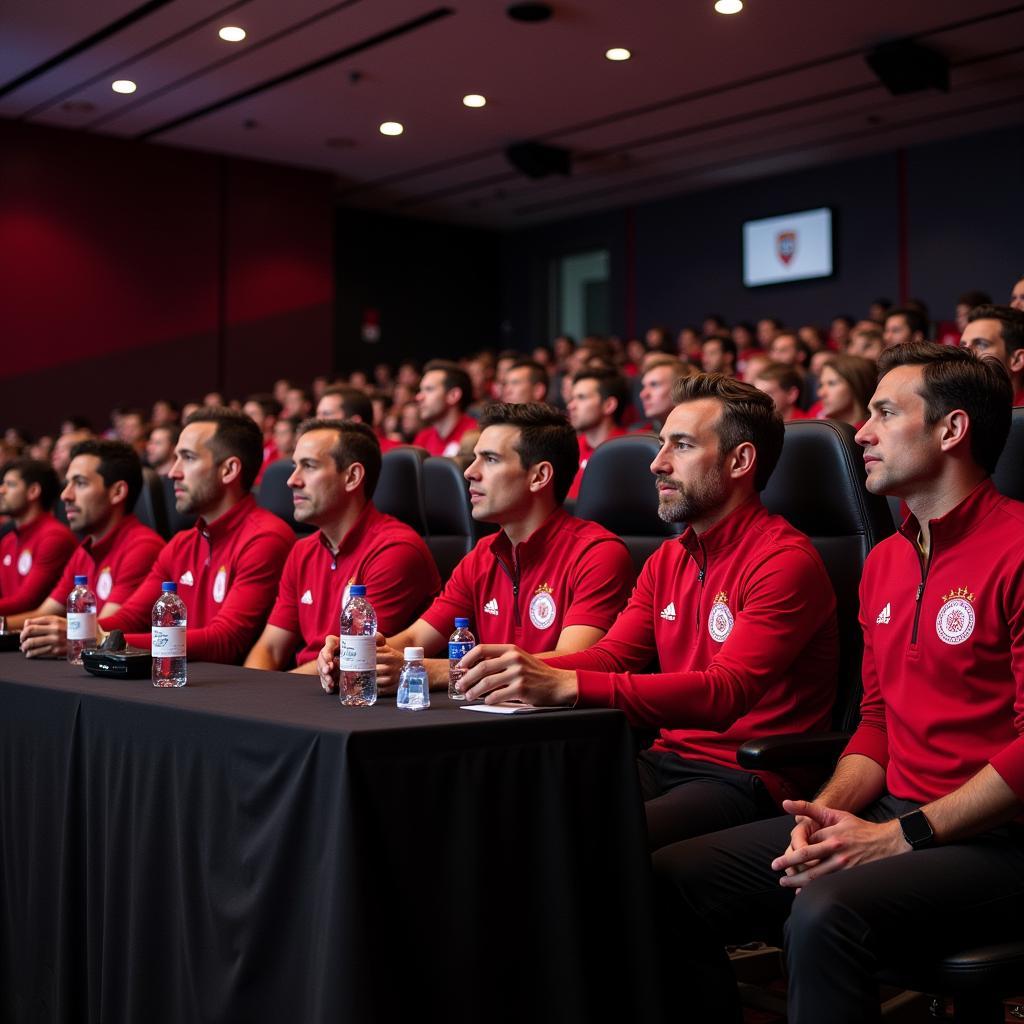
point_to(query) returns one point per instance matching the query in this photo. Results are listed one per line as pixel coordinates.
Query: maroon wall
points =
(130, 271)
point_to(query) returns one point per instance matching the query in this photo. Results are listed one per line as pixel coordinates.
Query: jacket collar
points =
(369, 519)
(727, 531)
(101, 549)
(216, 531)
(959, 520)
(537, 541)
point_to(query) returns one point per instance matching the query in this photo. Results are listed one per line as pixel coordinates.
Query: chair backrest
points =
(151, 505)
(450, 532)
(618, 492)
(818, 486)
(276, 496)
(399, 490)
(176, 521)
(1009, 473)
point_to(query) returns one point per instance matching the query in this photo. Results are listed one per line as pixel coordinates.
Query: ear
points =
(33, 492)
(231, 469)
(540, 476)
(742, 460)
(353, 477)
(955, 428)
(610, 406)
(453, 396)
(1017, 361)
(118, 492)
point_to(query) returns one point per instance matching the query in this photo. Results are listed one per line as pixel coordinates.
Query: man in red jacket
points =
(738, 611)
(33, 554)
(116, 553)
(916, 842)
(228, 565)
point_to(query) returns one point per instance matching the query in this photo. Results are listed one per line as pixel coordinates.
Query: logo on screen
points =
(785, 246)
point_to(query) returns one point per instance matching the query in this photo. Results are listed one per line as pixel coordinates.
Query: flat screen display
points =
(795, 247)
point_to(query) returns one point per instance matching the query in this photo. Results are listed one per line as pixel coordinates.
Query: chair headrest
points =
(1009, 473)
(445, 499)
(399, 490)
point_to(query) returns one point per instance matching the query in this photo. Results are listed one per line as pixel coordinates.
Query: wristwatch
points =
(917, 830)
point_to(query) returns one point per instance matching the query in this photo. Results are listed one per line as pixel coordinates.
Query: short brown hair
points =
(237, 435)
(679, 368)
(955, 378)
(786, 376)
(748, 415)
(454, 377)
(356, 442)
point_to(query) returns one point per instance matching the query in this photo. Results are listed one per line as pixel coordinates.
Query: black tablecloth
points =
(245, 849)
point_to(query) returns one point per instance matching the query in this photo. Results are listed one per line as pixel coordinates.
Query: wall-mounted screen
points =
(795, 247)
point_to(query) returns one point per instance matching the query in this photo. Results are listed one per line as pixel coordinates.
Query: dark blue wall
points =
(964, 217)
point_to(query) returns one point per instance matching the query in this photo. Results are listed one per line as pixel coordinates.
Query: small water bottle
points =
(413, 684)
(357, 654)
(460, 643)
(81, 620)
(168, 640)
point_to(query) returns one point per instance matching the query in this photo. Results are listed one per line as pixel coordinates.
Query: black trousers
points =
(684, 798)
(841, 928)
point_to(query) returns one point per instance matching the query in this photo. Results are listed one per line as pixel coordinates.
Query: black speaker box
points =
(536, 160)
(904, 66)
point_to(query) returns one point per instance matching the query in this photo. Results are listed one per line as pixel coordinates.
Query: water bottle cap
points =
(414, 654)
(169, 588)
(357, 590)
(81, 581)
(461, 623)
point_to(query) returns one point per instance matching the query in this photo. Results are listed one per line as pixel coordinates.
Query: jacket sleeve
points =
(601, 582)
(1009, 762)
(48, 561)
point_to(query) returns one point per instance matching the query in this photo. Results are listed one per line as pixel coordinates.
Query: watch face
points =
(916, 828)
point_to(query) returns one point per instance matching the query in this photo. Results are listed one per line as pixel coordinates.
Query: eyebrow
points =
(682, 436)
(882, 403)
(487, 451)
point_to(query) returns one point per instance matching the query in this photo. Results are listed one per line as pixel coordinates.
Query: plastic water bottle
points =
(168, 641)
(357, 656)
(460, 643)
(81, 608)
(413, 684)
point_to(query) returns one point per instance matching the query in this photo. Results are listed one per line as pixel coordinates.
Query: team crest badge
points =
(104, 583)
(542, 607)
(720, 620)
(785, 246)
(220, 584)
(956, 618)
(24, 563)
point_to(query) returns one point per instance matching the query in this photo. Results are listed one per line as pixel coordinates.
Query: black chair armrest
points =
(777, 753)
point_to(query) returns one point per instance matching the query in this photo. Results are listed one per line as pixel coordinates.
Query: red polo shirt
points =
(742, 622)
(227, 574)
(585, 452)
(448, 445)
(31, 560)
(568, 572)
(382, 553)
(116, 565)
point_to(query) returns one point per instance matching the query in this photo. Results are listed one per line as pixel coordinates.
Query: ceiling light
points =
(391, 128)
(728, 6)
(618, 53)
(474, 100)
(122, 85)
(232, 34)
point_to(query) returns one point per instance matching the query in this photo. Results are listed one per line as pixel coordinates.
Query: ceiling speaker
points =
(536, 160)
(904, 66)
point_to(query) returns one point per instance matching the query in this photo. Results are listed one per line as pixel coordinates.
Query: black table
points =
(245, 849)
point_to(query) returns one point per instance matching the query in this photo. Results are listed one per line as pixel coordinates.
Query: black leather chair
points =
(1009, 473)
(176, 521)
(450, 533)
(276, 496)
(151, 505)
(618, 492)
(400, 487)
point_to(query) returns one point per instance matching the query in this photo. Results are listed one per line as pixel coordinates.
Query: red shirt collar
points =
(958, 521)
(27, 532)
(537, 540)
(368, 519)
(228, 522)
(100, 550)
(726, 531)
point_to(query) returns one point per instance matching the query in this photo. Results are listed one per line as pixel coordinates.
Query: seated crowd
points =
(729, 634)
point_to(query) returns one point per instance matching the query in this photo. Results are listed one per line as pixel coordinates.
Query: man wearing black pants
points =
(935, 769)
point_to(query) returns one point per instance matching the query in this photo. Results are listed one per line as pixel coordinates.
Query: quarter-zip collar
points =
(726, 532)
(506, 552)
(226, 524)
(365, 522)
(958, 522)
(99, 550)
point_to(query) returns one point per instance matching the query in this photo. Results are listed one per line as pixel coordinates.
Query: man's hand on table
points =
(501, 672)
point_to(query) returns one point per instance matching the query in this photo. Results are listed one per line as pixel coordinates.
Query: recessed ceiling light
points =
(123, 85)
(391, 128)
(474, 100)
(618, 53)
(232, 34)
(728, 6)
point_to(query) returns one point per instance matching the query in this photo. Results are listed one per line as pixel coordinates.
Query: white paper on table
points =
(508, 708)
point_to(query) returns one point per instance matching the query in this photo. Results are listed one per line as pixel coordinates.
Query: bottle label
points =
(81, 625)
(357, 653)
(457, 651)
(168, 642)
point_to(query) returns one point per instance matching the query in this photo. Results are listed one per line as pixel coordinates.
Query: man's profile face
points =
(13, 494)
(897, 331)
(1017, 295)
(656, 392)
(158, 447)
(330, 408)
(431, 397)
(901, 450)
(499, 484)
(86, 497)
(866, 345)
(783, 400)
(284, 437)
(318, 492)
(690, 468)
(784, 349)
(518, 387)
(585, 405)
(712, 356)
(985, 338)
(196, 472)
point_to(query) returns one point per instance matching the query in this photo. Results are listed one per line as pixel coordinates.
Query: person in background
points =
(783, 384)
(866, 341)
(263, 409)
(656, 383)
(846, 385)
(525, 381)
(718, 355)
(160, 448)
(1017, 295)
(286, 431)
(444, 395)
(903, 325)
(997, 332)
(966, 303)
(596, 410)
